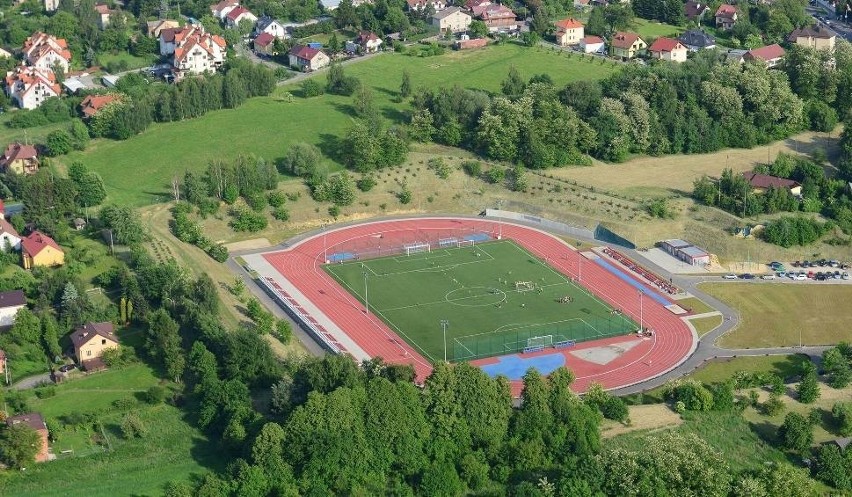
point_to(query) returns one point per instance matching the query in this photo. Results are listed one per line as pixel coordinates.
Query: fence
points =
(401, 242)
(600, 232)
(471, 347)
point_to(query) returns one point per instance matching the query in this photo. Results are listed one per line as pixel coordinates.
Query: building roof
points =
(766, 53)
(624, 40)
(12, 298)
(304, 52)
(32, 419)
(569, 23)
(102, 8)
(154, 27)
(663, 44)
(697, 38)
(470, 4)
(366, 36)
(815, 31)
(726, 11)
(766, 181)
(237, 12)
(264, 22)
(495, 11)
(694, 9)
(85, 333)
(17, 151)
(677, 243)
(591, 40)
(447, 12)
(264, 40)
(6, 227)
(37, 241)
(842, 443)
(40, 43)
(93, 103)
(693, 251)
(223, 4)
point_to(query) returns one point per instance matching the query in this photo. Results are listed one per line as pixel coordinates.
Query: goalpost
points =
(466, 243)
(524, 286)
(534, 344)
(416, 248)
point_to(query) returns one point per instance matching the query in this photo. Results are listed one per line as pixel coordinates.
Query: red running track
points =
(671, 344)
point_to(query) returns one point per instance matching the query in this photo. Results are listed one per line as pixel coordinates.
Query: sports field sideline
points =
(494, 295)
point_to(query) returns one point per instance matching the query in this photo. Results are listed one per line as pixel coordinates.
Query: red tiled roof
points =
(36, 242)
(264, 40)
(726, 10)
(304, 52)
(694, 9)
(624, 40)
(765, 181)
(365, 36)
(496, 12)
(224, 3)
(588, 40)
(85, 333)
(16, 151)
(569, 23)
(32, 419)
(766, 53)
(102, 8)
(470, 4)
(93, 103)
(237, 12)
(664, 44)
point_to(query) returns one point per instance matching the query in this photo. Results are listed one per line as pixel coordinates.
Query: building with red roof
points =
(238, 15)
(34, 421)
(94, 103)
(498, 18)
(223, 8)
(193, 50)
(265, 44)
(627, 45)
(592, 44)
(45, 52)
(29, 87)
(569, 32)
(668, 49)
(771, 55)
(305, 58)
(726, 16)
(761, 183)
(38, 249)
(22, 159)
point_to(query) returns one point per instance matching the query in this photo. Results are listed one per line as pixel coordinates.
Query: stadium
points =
(501, 295)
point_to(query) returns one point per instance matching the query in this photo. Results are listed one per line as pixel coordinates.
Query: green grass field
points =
(138, 171)
(652, 29)
(474, 288)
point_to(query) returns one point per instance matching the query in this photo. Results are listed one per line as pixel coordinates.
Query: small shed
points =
(686, 252)
(110, 80)
(673, 246)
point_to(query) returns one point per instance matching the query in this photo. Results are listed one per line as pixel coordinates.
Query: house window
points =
(103, 341)
(88, 353)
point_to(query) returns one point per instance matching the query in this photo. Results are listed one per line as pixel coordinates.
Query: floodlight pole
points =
(444, 324)
(641, 311)
(324, 246)
(366, 295)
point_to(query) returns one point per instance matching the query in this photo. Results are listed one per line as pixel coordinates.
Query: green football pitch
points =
(496, 297)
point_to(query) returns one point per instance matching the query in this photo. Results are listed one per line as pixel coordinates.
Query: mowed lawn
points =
(139, 171)
(774, 315)
(648, 30)
(474, 288)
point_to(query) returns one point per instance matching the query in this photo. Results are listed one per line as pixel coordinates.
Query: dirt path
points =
(644, 417)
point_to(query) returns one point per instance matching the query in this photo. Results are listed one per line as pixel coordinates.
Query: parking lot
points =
(818, 271)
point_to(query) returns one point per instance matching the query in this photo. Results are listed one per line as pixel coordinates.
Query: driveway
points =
(32, 382)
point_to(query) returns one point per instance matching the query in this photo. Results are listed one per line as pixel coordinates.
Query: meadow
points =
(474, 288)
(139, 170)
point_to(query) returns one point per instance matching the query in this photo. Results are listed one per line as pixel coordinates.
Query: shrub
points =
(247, 220)
(276, 199)
(312, 88)
(132, 426)
(404, 195)
(45, 392)
(495, 175)
(155, 395)
(257, 202)
(472, 168)
(281, 214)
(441, 168)
(218, 252)
(366, 183)
(334, 211)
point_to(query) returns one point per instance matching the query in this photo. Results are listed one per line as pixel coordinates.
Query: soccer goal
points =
(524, 286)
(448, 242)
(416, 248)
(534, 344)
(466, 243)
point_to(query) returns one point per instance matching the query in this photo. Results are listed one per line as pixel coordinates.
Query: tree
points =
(796, 433)
(842, 412)
(58, 142)
(478, 29)
(302, 159)
(125, 223)
(808, 389)
(364, 104)
(837, 367)
(164, 343)
(90, 186)
(831, 468)
(513, 86)
(19, 445)
(50, 337)
(405, 86)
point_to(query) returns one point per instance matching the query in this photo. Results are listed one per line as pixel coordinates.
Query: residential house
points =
(194, 50)
(90, 341)
(422, 5)
(36, 422)
(271, 26)
(498, 18)
(368, 41)
(569, 32)
(265, 44)
(9, 237)
(155, 27)
(10, 303)
(5, 54)
(668, 49)
(238, 15)
(45, 52)
(38, 249)
(51, 5)
(451, 20)
(760, 183)
(697, 39)
(104, 14)
(92, 104)
(223, 8)
(627, 45)
(22, 159)
(736, 55)
(695, 11)
(582, 4)
(726, 16)
(305, 58)
(592, 44)
(771, 55)
(330, 5)
(817, 37)
(469, 5)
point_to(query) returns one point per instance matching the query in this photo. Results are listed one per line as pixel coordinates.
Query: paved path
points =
(31, 382)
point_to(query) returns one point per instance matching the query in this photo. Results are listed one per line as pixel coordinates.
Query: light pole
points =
(366, 295)
(444, 324)
(324, 247)
(579, 266)
(641, 312)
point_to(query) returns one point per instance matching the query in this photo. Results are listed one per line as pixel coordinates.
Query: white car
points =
(801, 277)
(730, 276)
(845, 276)
(768, 277)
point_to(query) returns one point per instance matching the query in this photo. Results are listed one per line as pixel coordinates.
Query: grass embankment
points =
(778, 315)
(705, 325)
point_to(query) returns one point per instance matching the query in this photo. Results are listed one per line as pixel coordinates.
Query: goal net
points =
(538, 343)
(416, 248)
(524, 286)
(466, 243)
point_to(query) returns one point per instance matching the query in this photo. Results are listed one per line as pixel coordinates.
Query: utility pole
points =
(641, 312)
(444, 324)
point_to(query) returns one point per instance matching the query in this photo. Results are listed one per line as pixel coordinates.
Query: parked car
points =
(781, 274)
(801, 277)
(810, 275)
(747, 276)
(67, 367)
(845, 276)
(730, 276)
(768, 277)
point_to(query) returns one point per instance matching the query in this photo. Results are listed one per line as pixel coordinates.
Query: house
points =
(22, 159)
(694, 11)
(451, 20)
(627, 45)
(223, 8)
(668, 49)
(686, 252)
(697, 39)
(104, 14)
(469, 5)
(36, 422)
(736, 55)
(51, 5)
(38, 249)
(265, 44)
(816, 37)
(238, 15)
(110, 80)
(90, 341)
(194, 50)
(569, 32)
(726, 16)
(368, 41)
(582, 4)
(592, 44)
(10, 303)
(760, 183)
(270, 26)
(45, 52)
(771, 55)
(498, 18)
(422, 5)
(9, 237)
(5, 54)
(155, 27)
(94, 103)
(305, 58)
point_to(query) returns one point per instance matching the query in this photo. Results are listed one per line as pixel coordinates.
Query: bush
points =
(442, 170)
(45, 392)
(660, 208)
(281, 214)
(404, 196)
(276, 199)
(773, 406)
(495, 175)
(334, 211)
(132, 426)
(366, 183)
(799, 230)
(155, 395)
(246, 220)
(312, 88)
(218, 252)
(472, 168)
(257, 202)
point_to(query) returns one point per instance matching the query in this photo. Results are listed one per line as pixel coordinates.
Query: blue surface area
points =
(477, 237)
(632, 282)
(341, 256)
(514, 366)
